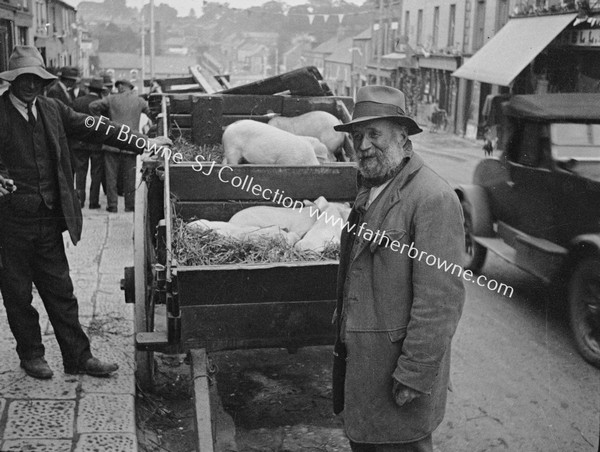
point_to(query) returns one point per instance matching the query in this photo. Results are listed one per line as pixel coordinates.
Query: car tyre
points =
(584, 308)
(475, 253)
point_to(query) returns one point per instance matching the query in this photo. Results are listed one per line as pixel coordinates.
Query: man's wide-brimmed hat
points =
(380, 102)
(26, 60)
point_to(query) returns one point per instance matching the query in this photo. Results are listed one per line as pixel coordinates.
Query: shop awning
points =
(513, 48)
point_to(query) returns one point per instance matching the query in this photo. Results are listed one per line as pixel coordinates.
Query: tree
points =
(162, 13)
(192, 13)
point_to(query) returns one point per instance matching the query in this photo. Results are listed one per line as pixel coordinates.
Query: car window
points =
(529, 148)
(575, 141)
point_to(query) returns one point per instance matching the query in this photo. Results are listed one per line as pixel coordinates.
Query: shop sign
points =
(584, 38)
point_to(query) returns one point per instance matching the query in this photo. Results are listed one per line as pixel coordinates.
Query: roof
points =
(501, 60)
(366, 34)
(163, 64)
(328, 46)
(343, 52)
(555, 107)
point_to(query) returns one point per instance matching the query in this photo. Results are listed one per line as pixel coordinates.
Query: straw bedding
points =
(193, 247)
(190, 151)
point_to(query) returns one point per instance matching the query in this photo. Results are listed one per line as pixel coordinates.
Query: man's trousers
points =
(32, 251)
(85, 158)
(112, 162)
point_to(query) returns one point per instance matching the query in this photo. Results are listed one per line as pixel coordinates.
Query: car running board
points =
(538, 257)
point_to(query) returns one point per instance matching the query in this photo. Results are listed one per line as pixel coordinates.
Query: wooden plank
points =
(301, 82)
(252, 105)
(180, 103)
(144, 361)
(198, 76)
(230, 119)
(263, 182)
(295, 106)
(214, 211)
(257, 283)
(206, 119)
(219, 210)
(202, 405)
(288, 325)
(180, 120)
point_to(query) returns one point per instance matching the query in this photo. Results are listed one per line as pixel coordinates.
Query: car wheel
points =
(474, 255)
(584, 308)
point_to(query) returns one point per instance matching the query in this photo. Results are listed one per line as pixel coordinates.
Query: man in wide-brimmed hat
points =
(63, 89)
(126, 108)
(37, 203)
(397, 308)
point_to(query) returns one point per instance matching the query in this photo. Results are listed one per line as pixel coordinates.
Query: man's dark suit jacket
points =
(57, 92)
(62, 122)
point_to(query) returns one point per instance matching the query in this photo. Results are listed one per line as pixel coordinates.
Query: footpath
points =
(78, 413)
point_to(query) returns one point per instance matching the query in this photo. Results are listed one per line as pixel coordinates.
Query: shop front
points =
(517, 61)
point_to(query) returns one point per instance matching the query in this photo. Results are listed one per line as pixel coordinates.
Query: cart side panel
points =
(257, 283)
(269, 325)
(189, 182)
(210, 114)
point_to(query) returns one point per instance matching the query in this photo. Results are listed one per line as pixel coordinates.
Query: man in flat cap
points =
(397, 311)
(125, 108)
(37, 203)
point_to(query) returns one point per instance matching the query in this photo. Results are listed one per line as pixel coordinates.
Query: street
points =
(518, 382)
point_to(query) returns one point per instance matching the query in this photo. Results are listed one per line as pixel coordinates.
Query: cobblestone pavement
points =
(78, 413)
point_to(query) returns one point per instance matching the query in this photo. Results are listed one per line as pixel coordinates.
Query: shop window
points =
(451, 25)
(22, 36)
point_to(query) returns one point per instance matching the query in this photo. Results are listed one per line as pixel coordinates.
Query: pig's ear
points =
(308, 203)
(321, 203)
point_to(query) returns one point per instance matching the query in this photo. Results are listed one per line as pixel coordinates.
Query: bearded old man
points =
(396, 315)
(37, 203)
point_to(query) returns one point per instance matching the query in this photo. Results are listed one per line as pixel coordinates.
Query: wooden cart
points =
(211, 308)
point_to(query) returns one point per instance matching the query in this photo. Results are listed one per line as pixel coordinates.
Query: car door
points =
(532, 208)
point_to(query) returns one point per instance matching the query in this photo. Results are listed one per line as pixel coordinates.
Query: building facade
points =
(16, 22)
(56, 33)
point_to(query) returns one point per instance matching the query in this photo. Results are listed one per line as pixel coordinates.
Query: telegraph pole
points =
(380, 42)
(152, 39)
(143, 52)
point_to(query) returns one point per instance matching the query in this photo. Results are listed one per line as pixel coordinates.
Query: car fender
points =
(582, 246)
(476, 199)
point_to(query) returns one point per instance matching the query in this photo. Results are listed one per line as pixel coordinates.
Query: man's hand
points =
(7, 186)
(403, 394)
(156, 143)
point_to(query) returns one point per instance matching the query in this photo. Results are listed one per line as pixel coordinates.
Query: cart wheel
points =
(584, 308)
(141, 254)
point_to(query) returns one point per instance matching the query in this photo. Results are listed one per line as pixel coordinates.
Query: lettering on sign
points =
(584, 38)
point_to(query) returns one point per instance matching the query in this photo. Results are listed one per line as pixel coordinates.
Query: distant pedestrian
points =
(88, 155)
(125, 108)
(63, 88)
(37, 203)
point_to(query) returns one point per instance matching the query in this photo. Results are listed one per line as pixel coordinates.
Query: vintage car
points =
(538, 205)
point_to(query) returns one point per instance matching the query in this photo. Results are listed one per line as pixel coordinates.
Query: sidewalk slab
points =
(78, 412)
